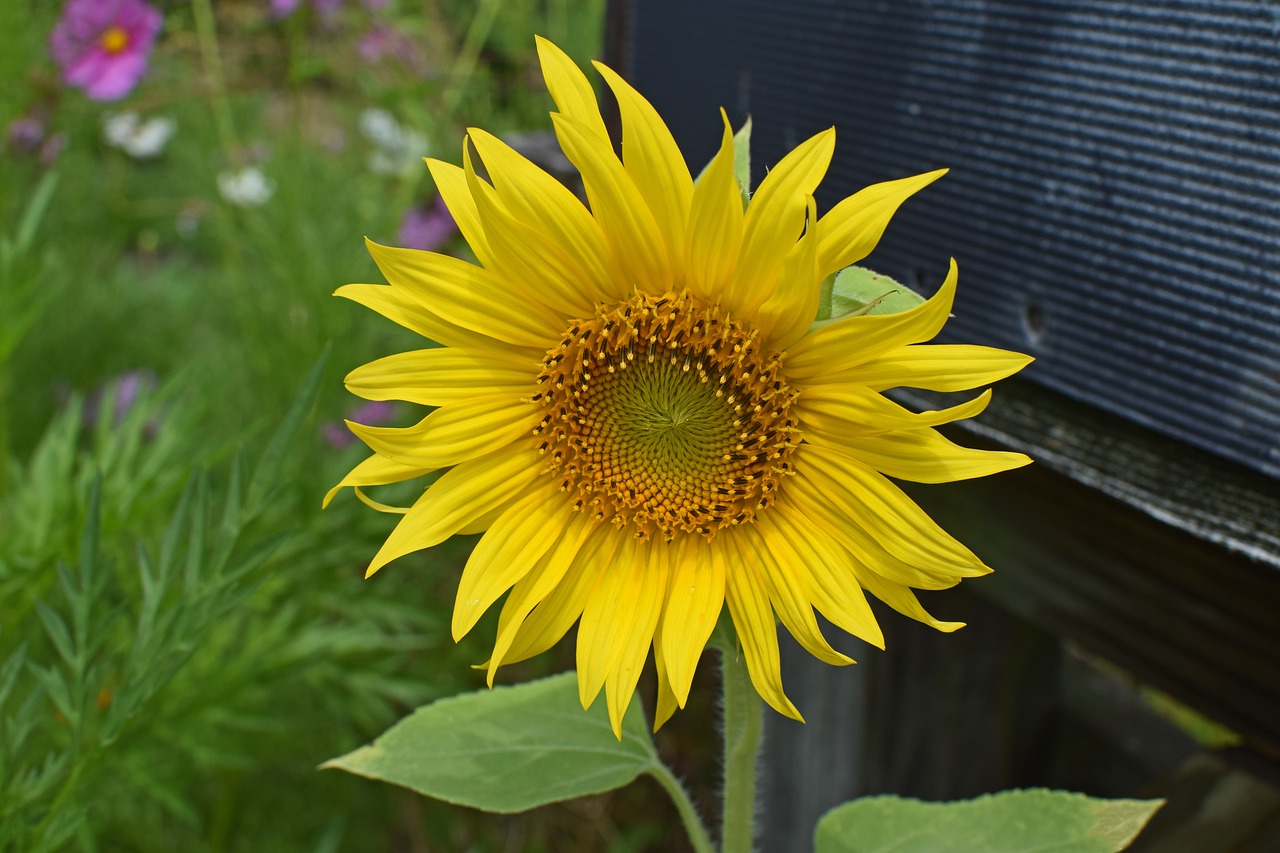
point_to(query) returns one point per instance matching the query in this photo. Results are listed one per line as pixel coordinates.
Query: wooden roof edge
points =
(1210, 498)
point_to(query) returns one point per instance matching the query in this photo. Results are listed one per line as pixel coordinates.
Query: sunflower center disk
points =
(662, 413)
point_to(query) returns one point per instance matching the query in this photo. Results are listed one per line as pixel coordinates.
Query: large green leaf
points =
(1008, 822)
(508, 749)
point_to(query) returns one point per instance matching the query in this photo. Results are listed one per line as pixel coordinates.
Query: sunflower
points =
(636, 408)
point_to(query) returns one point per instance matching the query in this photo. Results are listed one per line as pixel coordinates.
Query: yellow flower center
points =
(114, 40)
(662, 412)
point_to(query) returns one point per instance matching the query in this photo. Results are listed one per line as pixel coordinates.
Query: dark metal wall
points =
(1114, 200)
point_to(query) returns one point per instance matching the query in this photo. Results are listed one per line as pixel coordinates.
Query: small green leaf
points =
(56, 627)
(858, 290)
(508, 749)
(34, 213)
(269, 472)
(1007, 822)
(9, 672)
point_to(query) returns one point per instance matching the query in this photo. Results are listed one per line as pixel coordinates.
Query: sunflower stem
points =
(742, 728)
(698, 835)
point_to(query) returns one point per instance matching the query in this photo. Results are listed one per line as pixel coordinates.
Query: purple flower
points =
(25, 134)
(103, 46)
(383, 41)
(373, 413)
(283, 8)
(427, 228)
(327, 8)
(124, 390)
(52, 147)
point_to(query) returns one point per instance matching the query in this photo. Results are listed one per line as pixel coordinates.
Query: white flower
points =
(396, 150)
(381, 128)
(247, 187)
(140, 139)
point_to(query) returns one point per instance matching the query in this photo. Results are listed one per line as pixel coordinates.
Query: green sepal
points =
(742, 160)
(1007, 822)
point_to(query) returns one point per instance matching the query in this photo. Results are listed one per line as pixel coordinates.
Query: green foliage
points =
(509, 749)
(1008, 822)
(184, 636)
(153, 629)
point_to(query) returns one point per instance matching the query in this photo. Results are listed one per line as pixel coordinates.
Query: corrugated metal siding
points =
(1114, 200)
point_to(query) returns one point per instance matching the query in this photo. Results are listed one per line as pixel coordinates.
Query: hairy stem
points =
(693, 825)
(742, 728)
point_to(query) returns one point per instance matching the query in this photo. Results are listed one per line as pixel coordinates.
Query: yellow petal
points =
(637, 251)
(788, 583)
(570, 88)
(560, 572)
(926, 456)
(666, 702)
(505, 554)
(540, 201)
(694, 601)
(866, 500)
(713, 239)
(903, 600)
(654, 161)
(451, 184)
(525, 255)
(453, 433)
(621, 612)
(467, 296)
(635, 627)
(788, 313)
(748, 602)
(775, 218)
(400, 307)
(378, 505)
(849, 342)
(935, 367)
(834, 585)
(843, 415)
(558, 611)
(376, 471)
(481, 523)
(444, 375)
(851, 229)
(463, 493)
(932, 572)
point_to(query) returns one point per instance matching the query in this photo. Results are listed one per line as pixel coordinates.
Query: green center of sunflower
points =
(662, 413)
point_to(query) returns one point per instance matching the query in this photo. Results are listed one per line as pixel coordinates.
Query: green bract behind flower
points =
(635, 408)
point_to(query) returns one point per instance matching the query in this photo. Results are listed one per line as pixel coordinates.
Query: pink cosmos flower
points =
(103, 46)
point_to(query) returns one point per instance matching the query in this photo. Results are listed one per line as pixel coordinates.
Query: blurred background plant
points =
(184, 636)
